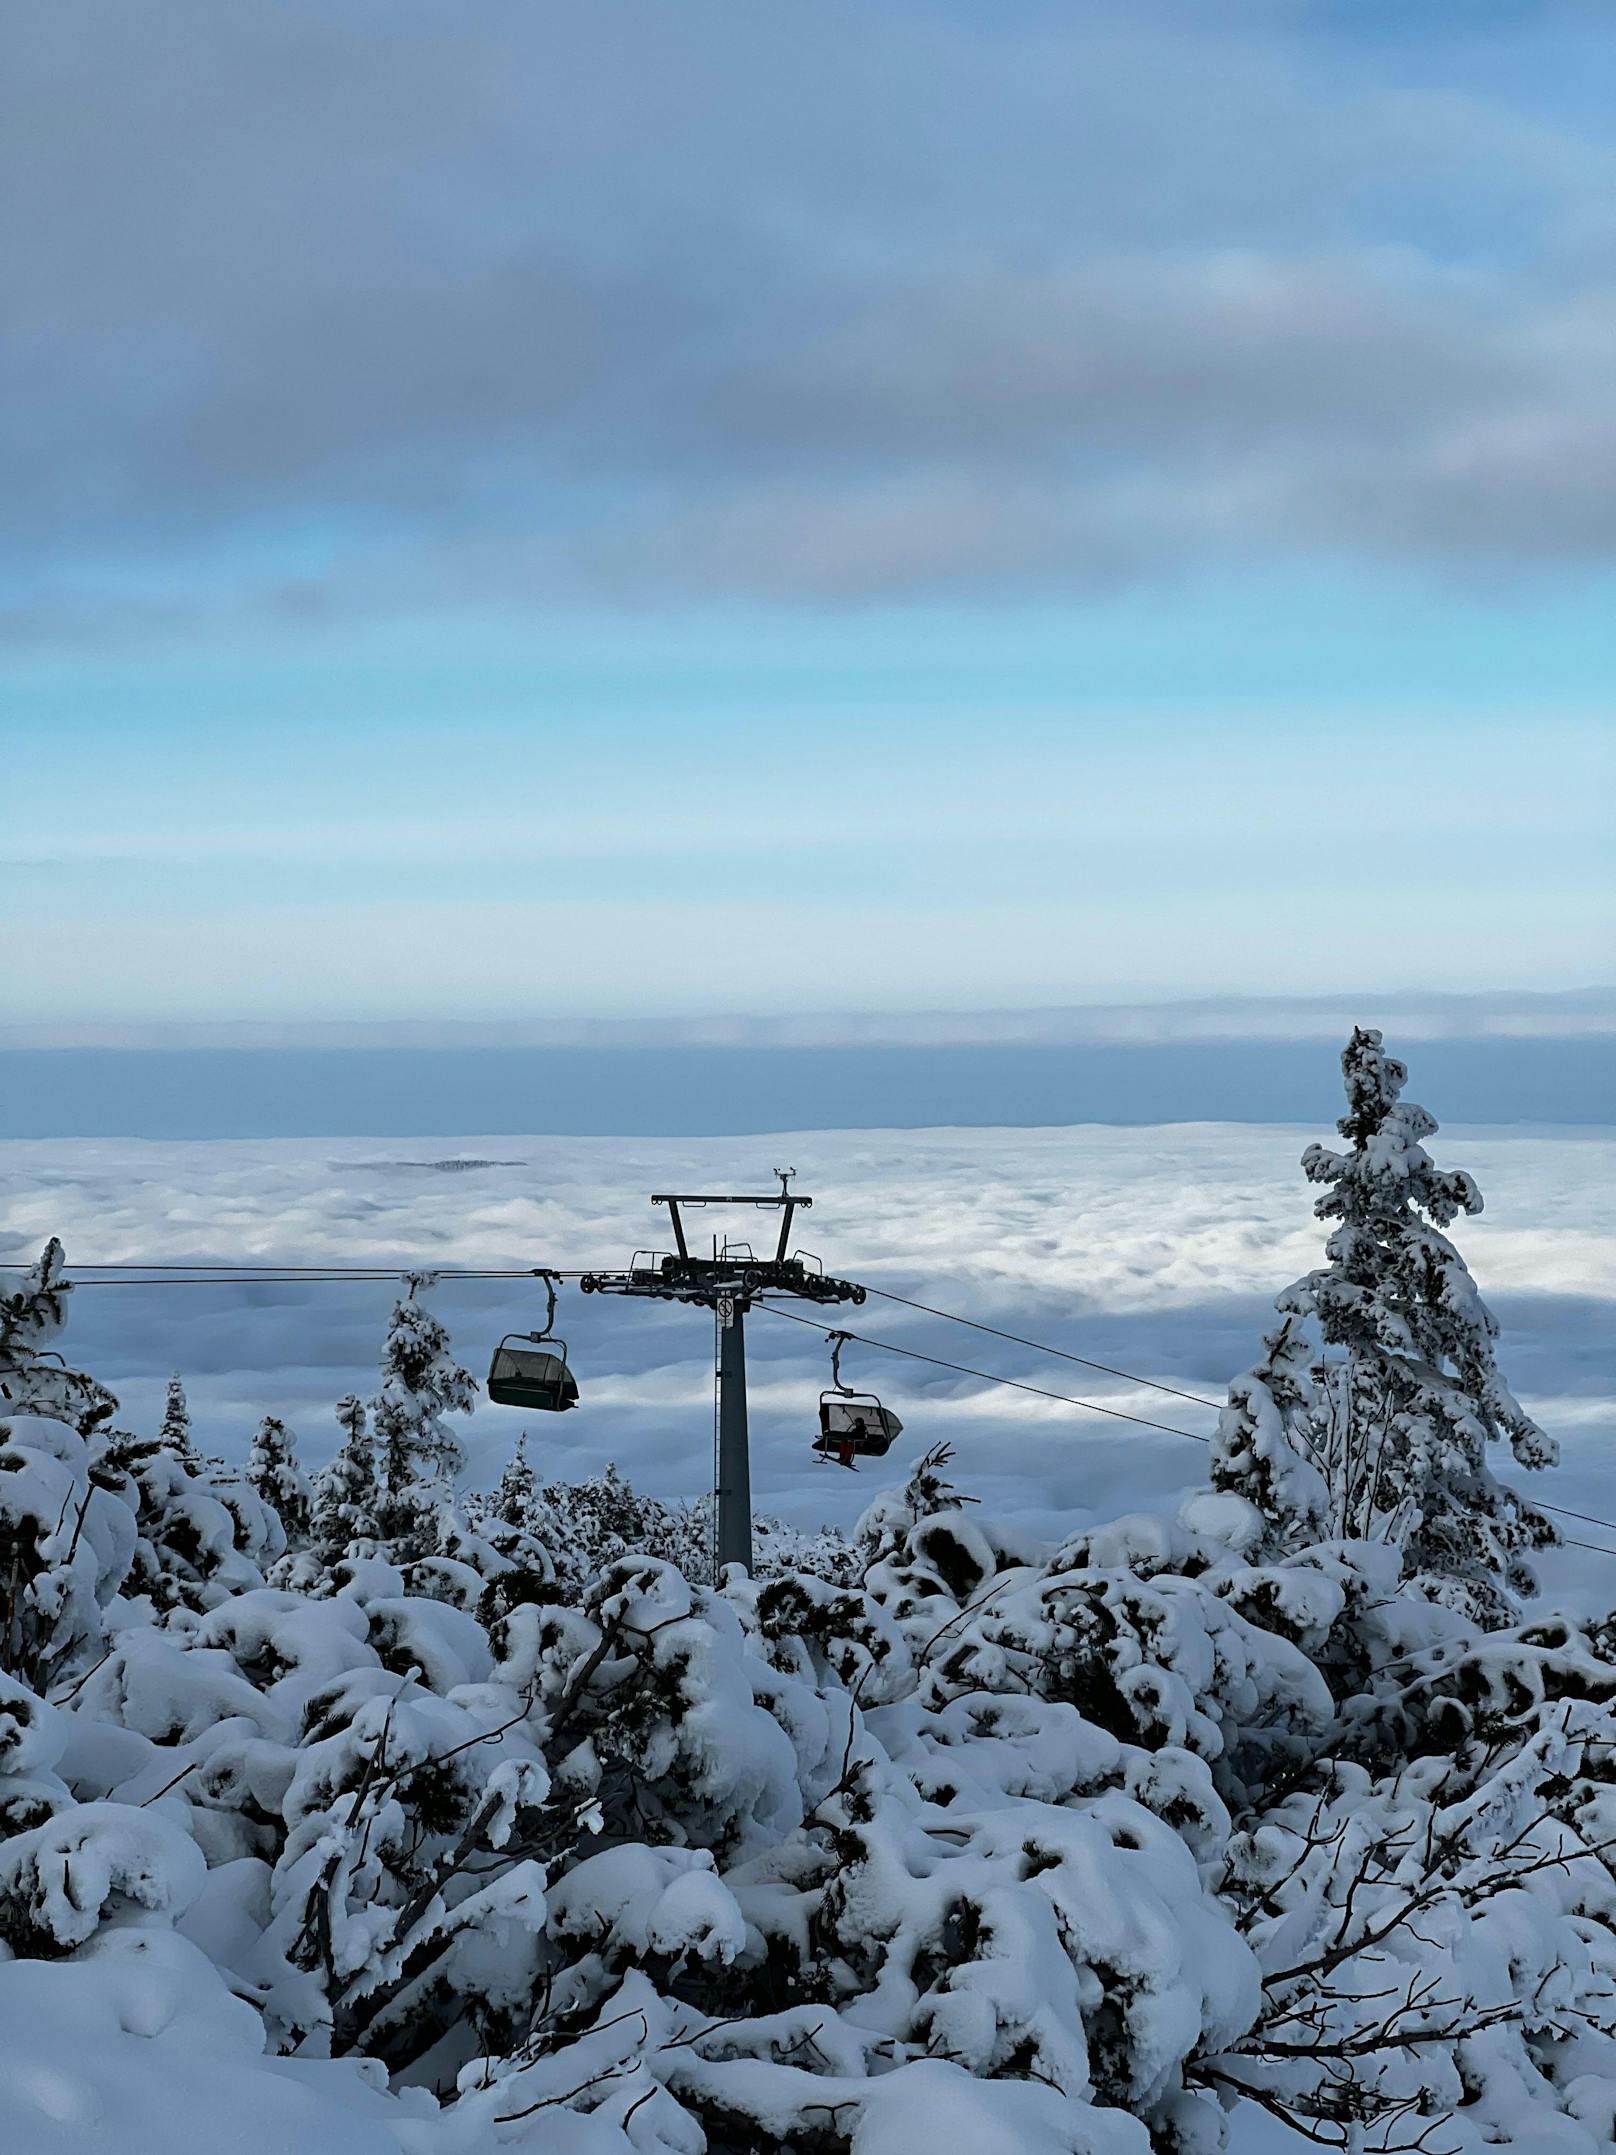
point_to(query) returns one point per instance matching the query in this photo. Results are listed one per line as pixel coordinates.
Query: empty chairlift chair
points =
(530, 1370)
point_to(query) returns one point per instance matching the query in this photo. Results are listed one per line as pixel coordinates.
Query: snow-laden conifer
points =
(345, 1488)
(1371, 1413)
(273, 1471)
(174, 1433)
(34, 1379)
(419, 1454)
(513, 1500)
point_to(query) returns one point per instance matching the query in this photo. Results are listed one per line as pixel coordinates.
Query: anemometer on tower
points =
(531, 1369)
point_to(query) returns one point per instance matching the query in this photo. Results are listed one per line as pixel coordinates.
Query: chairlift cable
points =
(242, 1272)
(1093, 1407)
(133, 1272)
(976, 1325)
(887, 1346)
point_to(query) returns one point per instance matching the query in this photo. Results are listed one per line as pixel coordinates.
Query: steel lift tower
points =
(728, 1283)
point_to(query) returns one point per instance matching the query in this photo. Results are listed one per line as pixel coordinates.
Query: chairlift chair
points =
(529, 1369)
(852, 1425)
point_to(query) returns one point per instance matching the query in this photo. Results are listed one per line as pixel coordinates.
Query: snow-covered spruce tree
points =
(508, 1539)
(345, 1490)
(274, 1474)
(174, 1433)
(586, 1525)
(1370, 1415)
(1266, 1448)
(589, 1524)
(33, 1377)
(419, 1454)
(512, 1501)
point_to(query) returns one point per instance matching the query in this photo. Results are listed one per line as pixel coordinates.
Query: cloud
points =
(1158, 1251)
(360, 309)
(984, 425)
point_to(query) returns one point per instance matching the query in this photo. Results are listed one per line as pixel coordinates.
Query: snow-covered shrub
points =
(482, 1825)
(62, 1879)
(590, 1524)
(197, 1539)
(33, 1736)
(65, 1545)
(1438, 1940)
(583, 1526)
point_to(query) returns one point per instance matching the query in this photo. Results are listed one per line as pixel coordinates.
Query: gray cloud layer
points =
(375, 305)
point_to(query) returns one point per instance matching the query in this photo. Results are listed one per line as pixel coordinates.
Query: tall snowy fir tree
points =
(174, 1434)
(273, 1472)
(418, 1453)
(345, 1488)
(1371, 1415)
(513, 1500)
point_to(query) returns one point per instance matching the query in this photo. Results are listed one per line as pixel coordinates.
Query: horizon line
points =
(1410, 1015)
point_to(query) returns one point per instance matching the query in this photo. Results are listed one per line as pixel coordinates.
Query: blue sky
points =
(597, 511)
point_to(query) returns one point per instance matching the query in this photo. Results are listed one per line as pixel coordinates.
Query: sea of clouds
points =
(1156, 1250)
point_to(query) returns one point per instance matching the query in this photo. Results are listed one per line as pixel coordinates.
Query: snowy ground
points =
(1156, 1250)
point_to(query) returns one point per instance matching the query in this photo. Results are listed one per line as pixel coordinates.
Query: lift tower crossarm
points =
(701, 1279)
(727, 1283)
(683, 1197)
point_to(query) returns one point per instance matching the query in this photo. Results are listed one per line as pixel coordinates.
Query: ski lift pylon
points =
(529, 1369)
(852, 1425)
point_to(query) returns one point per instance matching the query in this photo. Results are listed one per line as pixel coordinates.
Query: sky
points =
(595, 512)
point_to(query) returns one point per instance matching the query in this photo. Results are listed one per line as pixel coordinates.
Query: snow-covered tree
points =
(345, 1489)
(512, 1501)
(1089, 1849)
(273, 1472)
(419, 1455)
(1266, 1449)
(65, 1548)
(34, 1379)
(1370, 1415)
(174, 1434)
(591, 1523)
(196, 1540)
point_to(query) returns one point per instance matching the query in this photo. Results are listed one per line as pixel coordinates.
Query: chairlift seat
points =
(855, 1422)
(533, 1373)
